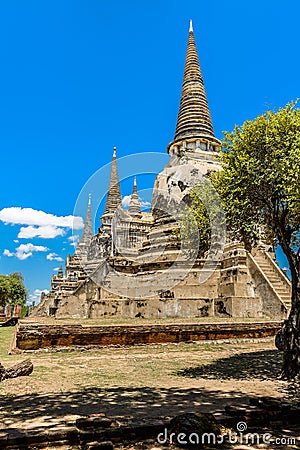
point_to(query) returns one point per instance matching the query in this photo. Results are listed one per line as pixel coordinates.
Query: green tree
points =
(12, 289)
(260, 191)
(4, 289)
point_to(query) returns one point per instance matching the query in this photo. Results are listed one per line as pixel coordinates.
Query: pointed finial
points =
(191, 30)
(113, 199)
(60, 272)
(194, 118)
(134, 206)
(90, 199)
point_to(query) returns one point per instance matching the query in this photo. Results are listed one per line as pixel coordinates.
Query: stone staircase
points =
(279, 281)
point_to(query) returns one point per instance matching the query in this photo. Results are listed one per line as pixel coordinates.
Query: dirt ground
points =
(155, 379)
(139, 381)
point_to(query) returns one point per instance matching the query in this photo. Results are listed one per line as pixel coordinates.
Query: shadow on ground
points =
(261, 365)
(42, 411)
(34, 411)
(39, 413)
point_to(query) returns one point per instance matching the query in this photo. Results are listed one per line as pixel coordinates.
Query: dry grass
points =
(6, 334)
(157, 365)
(140, 380)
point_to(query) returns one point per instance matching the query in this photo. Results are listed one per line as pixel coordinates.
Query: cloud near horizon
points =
(36, 295)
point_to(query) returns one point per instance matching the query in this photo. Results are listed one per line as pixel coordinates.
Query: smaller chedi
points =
(136, 266)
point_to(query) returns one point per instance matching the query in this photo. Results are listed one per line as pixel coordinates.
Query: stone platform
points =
(34, 336)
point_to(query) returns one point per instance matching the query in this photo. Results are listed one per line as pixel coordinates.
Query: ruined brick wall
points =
(34, 336)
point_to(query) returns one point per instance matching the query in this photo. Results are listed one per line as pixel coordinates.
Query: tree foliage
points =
(12, 289)
(207, 215)
(260, 180)
(260, 191)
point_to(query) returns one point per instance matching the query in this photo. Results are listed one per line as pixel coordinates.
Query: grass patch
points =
(6, 334)
(135, 381)
(264, 365)
(154, 366)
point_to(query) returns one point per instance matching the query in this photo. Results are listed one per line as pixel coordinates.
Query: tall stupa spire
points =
(114, 194)
(88, 226)
(134, 206)
(86, 238)
(194, 120)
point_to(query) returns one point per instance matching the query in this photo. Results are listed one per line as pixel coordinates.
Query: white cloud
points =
(39, 291)
(74, 239)
(53, 257)
(39, 224)
(126, 201)
(144, 204)
(24, 251)
(56, 269)
(45, 231)
(36, 295)
(29, 216)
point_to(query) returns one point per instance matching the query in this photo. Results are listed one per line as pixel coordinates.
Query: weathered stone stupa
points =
(136, 266)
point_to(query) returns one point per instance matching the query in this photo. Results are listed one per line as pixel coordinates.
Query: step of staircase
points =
(278, 284)
(275, 279)
(286, 297)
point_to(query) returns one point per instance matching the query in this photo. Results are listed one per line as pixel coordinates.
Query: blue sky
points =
(80, 77)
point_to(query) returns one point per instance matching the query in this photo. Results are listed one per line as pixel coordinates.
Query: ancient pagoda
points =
(135, 265)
